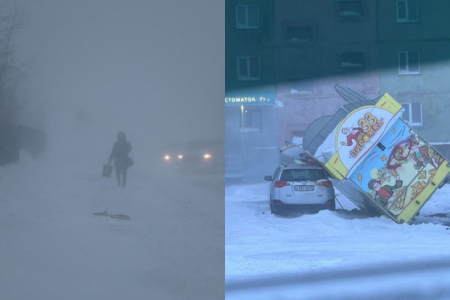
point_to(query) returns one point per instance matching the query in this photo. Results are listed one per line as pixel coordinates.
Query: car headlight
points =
(207, 156)
(166, 157)
(180, 156)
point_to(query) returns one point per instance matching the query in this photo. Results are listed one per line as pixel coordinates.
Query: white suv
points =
(302, 187)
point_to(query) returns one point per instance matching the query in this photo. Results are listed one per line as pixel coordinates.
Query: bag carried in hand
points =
(107, 170)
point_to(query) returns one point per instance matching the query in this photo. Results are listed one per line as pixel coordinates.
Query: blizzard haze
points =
(143, 67)
(153, 69)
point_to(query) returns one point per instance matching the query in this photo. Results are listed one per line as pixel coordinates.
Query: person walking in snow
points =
(122, 161)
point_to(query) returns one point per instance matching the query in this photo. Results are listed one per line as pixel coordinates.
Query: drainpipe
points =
(243, 145)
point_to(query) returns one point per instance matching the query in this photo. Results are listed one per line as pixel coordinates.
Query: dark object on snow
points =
(107, 170)
(106, 214)
(122, 161)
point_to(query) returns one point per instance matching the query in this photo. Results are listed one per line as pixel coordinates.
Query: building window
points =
(247, 16)
(351, 9)
(301, 88)
(408, 62)
(248, 68)
(299, 35)
(412, 114)
(407, 11)
(352, 61)
(251, 120)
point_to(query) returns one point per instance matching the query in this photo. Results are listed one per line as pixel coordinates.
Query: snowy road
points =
(54, 247)
(260, 245)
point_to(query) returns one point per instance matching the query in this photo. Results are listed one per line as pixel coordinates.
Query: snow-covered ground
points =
(264, 252)
(54, 247)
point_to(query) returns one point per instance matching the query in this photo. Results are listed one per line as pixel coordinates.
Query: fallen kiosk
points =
(374, 158)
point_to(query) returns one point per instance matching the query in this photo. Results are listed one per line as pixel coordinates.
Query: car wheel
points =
(331, 205)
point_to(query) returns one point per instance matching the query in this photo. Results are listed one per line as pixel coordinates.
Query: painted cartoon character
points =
(409, 150)
(399, 155)
(356, 133)
(421, 155)
(385, 193)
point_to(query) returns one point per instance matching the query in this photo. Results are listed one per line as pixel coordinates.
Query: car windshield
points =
(302, 174)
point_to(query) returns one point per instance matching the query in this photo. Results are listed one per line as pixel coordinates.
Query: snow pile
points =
(259, 244)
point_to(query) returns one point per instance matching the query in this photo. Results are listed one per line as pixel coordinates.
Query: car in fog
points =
(194, 156)
(300, 187)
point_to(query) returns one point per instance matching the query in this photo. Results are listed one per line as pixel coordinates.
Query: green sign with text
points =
(250, 97)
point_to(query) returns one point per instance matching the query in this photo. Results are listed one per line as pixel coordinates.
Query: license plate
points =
(303, 188)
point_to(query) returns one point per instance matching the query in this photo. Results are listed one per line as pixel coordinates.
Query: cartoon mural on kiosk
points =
(386, 159)
(400, 173)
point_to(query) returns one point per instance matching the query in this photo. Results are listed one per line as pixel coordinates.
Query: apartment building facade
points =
(250, 105)
(414, 46)
(319, 44)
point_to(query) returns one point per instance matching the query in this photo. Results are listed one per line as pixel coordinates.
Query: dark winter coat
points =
(119, 153)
